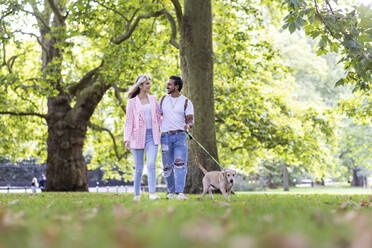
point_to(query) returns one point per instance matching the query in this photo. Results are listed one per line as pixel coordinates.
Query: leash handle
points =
(202, 147)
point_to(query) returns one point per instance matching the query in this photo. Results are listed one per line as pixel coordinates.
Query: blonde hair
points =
(134, 90)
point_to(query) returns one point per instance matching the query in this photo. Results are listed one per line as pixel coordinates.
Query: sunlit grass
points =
(114, 220)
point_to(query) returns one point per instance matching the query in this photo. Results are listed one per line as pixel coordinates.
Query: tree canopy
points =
(101, 46)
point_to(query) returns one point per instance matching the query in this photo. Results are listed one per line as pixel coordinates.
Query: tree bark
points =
(285, 178)
(67, 127)
(196, 54)
(66, 167)
(357, 181)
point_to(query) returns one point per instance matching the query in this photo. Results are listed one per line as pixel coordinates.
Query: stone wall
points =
(20, 175)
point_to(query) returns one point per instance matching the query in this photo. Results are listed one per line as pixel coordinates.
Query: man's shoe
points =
(154, 197)
(170, 196)
(181, 196)
(136, 198)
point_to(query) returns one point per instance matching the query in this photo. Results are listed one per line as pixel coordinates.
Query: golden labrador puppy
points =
(222, 180)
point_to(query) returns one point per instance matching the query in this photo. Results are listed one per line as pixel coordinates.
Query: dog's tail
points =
(200, 166)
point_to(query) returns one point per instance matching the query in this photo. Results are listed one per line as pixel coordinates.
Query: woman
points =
(141, 132)
(34, 185)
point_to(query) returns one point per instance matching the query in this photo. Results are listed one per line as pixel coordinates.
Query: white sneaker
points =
(181, 196)
(137, 198)
(154, 197)
(170, 196)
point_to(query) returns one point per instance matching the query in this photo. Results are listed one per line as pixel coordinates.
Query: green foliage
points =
(337, 28)
(355, 148)
(257, 116)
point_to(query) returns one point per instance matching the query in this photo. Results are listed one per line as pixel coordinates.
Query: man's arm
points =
(189, 121)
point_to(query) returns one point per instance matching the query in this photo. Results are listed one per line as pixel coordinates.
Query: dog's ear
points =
(225, 173)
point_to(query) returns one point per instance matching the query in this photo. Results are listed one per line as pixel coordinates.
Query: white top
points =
(173, 112)
(147, 110)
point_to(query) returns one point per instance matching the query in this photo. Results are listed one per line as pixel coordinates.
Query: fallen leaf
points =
(125, 239)
(171, 210)
(50, 204)
(364, 203)
(278, 240)
(268, 218)
(225, 217)
(13, 202)
(203, 231)
(363, 232)
(224, 204)
(51, 234)
(120, 212)
(241, 241)
(343, 205)
(9, 219)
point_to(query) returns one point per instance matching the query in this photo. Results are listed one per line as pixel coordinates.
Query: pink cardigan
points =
(135, 123)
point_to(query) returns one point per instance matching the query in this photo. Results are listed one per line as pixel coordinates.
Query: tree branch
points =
(87, 79)
(102, 129)
(117, 91)
(10, 63)
(134, 14)
(112, 9)
(173, 40)
(178, 9)
(39, 18)
(22, 114)
(4, 55)
(326, 25)
(330, 7)
(7, 14)
(131, 28)
(37, 38)
(56, 11)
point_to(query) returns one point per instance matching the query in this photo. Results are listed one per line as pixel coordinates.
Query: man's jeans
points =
(138, 155)
(174, 157)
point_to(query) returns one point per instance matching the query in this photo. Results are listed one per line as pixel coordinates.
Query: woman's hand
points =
(127, 145)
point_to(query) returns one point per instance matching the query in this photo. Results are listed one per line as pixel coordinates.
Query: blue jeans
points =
(174, 157)
(151, 154)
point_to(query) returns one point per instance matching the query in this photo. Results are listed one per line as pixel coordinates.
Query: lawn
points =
(249, 220)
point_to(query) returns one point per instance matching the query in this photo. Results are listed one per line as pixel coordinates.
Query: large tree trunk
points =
(67, 127)
(357, 181)
(66, 167)
(197, 72)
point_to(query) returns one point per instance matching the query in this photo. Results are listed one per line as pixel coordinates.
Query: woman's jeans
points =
(138, 155)
(174, 157)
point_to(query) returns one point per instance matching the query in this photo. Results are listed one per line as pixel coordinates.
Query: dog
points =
(222, 180)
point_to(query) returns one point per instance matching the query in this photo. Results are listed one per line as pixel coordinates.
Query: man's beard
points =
(170, 92)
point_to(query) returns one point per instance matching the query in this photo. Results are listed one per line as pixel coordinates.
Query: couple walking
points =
(174, 114)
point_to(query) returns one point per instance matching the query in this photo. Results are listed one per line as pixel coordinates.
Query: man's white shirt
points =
(173, 110)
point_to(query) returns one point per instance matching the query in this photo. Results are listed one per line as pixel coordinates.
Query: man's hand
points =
(189, 122)
(187, 127)
(127, 145)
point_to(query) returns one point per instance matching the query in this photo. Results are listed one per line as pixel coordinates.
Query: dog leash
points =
(202, 147)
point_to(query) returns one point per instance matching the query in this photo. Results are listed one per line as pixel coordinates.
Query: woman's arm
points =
(128, 124)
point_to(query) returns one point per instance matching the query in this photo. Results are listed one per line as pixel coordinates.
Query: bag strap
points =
(184, 108)
(161, 103)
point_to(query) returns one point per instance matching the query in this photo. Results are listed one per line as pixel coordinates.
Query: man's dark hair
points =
(177, 81)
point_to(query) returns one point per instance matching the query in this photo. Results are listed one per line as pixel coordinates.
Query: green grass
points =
(114, 220)
(341, 189)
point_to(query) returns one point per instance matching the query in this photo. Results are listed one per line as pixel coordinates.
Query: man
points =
(178, 116)
(42, 182)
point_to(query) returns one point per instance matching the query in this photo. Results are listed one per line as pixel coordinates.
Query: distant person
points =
(42, 183)
(141, 132)
(34, 185)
